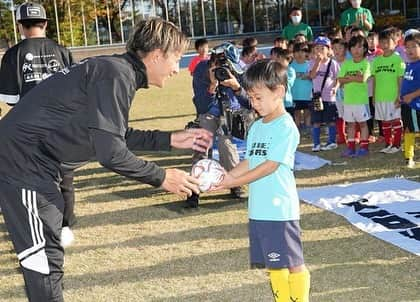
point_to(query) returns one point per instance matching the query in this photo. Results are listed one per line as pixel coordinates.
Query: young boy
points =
(302, 88)
(387, 72)
(353, 75)
(374, 51)
(284, 57)
(274, 231)
(280, 42)
(339, 47)
(410, 97)
(202, 48)
(318, 71)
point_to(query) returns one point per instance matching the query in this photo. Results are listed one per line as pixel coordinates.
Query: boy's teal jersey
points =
(273, 197)
(302, 88)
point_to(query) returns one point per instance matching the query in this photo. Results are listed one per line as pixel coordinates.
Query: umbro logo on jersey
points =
(274, 256)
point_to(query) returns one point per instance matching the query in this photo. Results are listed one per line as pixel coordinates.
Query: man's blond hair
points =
(156, 33)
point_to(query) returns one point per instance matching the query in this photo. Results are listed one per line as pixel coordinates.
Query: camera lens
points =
(221, 73)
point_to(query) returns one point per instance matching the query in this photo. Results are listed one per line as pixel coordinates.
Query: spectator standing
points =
(296, 26)
(324, 72)
(357, 16)
(202, 48)
(353, 75)
(24, 66)
(387, 72)
(410, 97)
(302, 87)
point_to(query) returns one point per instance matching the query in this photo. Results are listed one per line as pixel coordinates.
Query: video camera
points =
(226, 58)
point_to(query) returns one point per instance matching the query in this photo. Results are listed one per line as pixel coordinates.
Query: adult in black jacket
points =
(81, 113)
(25, 65)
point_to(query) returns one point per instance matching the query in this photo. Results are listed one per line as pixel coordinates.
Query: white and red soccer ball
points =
(209, 172)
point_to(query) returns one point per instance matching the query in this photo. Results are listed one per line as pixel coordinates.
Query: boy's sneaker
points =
(386, 149)
(348, 153)
(410, 163)
(330, 146)
(316, 148)
(394, 149)
(192, 201)
(362, 152)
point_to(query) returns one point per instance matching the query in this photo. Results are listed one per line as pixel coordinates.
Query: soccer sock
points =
(364, 144)
(409, 142)
(332, 132)
(397, 127)
(279, 279)
(386, 129)
(316, 135)
(340, 126)
(299, 284)
(351, 144)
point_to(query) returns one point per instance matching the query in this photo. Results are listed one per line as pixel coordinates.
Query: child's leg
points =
(340, 126)
(351, 144)
(316, 134)
(299, 283)
(397, 129)
(409, 142)
(279, 279)
(364, 135)
(387, 131)
(307, 116)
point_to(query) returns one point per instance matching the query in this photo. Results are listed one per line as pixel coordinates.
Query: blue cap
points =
(322, 41)
(231, 53)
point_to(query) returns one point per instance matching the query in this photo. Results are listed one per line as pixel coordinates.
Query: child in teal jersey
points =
(273, 206)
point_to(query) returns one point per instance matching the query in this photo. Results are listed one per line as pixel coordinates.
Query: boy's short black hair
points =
(279, 52)
(300, 47)
(355, 29)
(295, 8)
(415, 37)
(251, 41)
(372, 34)
(28, 24)
(387, 34)
(359, 40)
(280, 39)
(246, 51)
(267, 72)
(200, 42)
(339, 41)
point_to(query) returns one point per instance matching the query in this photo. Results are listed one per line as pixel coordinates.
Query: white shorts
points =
(356, 113)
(340, 108)
(386, 111)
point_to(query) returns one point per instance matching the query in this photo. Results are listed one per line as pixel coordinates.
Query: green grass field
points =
(137, 243)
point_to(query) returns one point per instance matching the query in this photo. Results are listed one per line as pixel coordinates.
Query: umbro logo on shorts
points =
(274, 256)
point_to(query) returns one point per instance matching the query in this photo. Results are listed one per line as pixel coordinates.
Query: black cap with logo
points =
(30, 11)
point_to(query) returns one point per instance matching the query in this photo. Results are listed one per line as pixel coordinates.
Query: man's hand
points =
(407, 98)
(196, 139)
(232, 82)
(180, 182)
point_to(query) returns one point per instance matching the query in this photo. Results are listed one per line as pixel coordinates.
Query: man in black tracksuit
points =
(25, 65)
(76, 115)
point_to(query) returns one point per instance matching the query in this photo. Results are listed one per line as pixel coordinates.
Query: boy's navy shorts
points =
(275, 244)
(328, 115)
(301, 105)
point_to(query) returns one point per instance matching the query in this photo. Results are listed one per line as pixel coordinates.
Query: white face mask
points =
(356, 3)
(296, 19)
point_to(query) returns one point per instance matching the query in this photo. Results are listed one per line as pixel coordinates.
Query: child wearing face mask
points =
(357, 16)
(296, 26)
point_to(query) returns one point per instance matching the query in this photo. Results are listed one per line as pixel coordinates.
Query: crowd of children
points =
(363, 81)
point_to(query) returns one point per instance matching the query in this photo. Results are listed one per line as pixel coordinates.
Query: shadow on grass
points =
(162, 211)
(229, 231)
(161, 117)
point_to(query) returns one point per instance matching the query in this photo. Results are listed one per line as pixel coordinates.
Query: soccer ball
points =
(209, 172)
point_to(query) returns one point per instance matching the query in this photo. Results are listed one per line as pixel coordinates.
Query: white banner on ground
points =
(388, 209)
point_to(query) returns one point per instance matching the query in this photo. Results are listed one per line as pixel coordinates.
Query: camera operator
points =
(218, 97)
